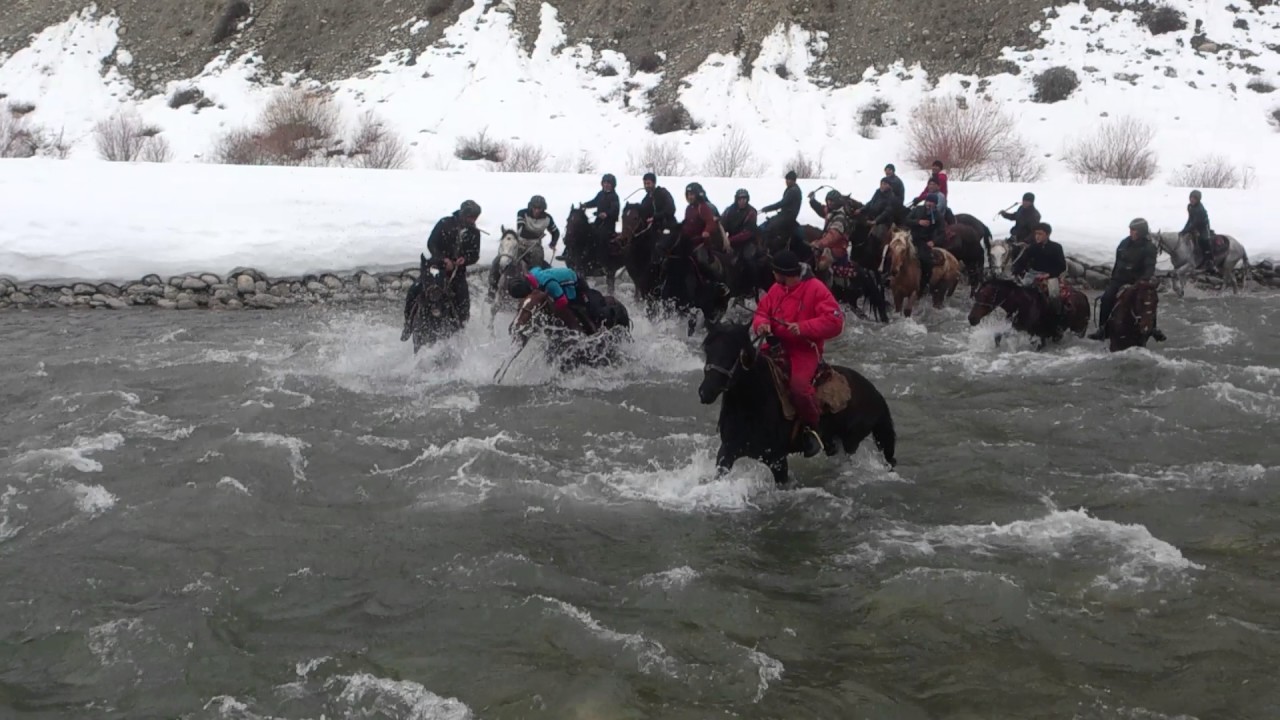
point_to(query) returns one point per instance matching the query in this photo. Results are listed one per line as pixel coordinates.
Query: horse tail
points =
(875, 295)
(886, 436)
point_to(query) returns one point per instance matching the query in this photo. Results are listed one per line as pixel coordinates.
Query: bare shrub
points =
(585, 165)
(1055, 84)
(732, 157)
(965, 136)
(480, 147)
(1016, 161)
(1118, 152)
(1210, 171)
(156, 149)
(1161, 19)
(241, 147)
(376, 147)
(662, 158)
(17, 138)
(186, 96)
(123, 138)
(1260, 86)
(668, 118)
(522, 158)
(21, 108)
(296, 125)
(871, 116)
(806, 168)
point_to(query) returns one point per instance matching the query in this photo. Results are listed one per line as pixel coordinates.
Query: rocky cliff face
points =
(330, 39)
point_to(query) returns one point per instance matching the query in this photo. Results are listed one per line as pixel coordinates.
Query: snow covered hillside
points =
(1203, 91)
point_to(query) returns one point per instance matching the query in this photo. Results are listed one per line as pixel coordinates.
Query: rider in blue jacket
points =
(564, 287)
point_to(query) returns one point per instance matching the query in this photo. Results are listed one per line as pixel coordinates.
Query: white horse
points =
(1184, 253)
(512, 262)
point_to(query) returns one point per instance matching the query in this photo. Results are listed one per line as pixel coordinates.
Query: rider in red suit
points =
(802, 313)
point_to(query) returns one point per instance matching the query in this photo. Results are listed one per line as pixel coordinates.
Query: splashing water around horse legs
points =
(1133, 319)
(1184, 255)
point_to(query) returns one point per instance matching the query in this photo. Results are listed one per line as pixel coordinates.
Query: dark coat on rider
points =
(659, 208)
(532, 228)
(1135, 260)
(935, 232)
(698, 219)
(789, 206)
(451, 238)
(1024, 220)
(607, 207)
(1047, 259)
(883, 208)
(739, 223)
(895, 183)
(1197, 221)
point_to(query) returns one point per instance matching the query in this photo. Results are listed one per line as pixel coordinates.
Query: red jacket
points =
(810, 305)
(942, 185)
(698, 219)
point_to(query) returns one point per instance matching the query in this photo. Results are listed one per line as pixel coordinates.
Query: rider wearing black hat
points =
(453, 245)
(1024, 219)
(1198, 227)
(657, 208)
(786, 222)
(1135, 262)
(739, 222)
(607, 207)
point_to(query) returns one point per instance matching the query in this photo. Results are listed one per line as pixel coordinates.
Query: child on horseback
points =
(802, 314)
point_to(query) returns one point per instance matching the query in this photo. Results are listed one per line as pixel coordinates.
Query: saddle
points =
(1065, 289)
(830, 387)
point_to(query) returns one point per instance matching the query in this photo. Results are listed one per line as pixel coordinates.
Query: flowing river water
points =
(286, 514)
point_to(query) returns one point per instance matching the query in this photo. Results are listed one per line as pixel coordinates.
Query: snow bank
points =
(68, 220)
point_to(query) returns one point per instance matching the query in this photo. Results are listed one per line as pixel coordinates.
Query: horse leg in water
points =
(778, 466)
(724, 461)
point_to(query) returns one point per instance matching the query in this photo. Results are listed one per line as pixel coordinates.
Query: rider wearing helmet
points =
(927, 227)
(607, 207)
(833, 247)
(533, 223)
(453, 245)
(739, 222)
(658, 208)
(1198, 227)
(699, 226)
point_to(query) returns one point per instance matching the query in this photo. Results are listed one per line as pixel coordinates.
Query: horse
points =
(774, 241)
(853, 282)
(979, 227)
(432, 316)
(1133, 318)
(511, 264)
(904, 270)
(585, 254)
(1184, 254)
(756, 418)
(945, 276)
(637, 247)
(684, 285)
(568, 349)
(1030, 311)
(966, 244)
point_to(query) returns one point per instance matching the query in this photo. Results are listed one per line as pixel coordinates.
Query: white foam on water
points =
(673, 579)
(768, 670)
(233, 485)
(688, 487)
(91, 499)
(1203, 476)
(105, 640)
(75, 456)
(465, 446)
(295, 446)
(1216, 334)
(651, 656)
(8, 528)
(40, 371)
(1248, 401)
(367, 696)
(375, 441)
(304, 400)
(140, 423)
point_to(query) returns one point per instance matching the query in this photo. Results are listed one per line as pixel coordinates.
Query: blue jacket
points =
(557, 282)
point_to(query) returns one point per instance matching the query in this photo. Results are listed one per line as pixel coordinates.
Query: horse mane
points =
(727, 329)
(1004, 282)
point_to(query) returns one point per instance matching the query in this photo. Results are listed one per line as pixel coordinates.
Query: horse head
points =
(726, 348)
(899, 251)
(630, 223)
(508, 248)
(993, 293)
(522, 325)
(1142, 305)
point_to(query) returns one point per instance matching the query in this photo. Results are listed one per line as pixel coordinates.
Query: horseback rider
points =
(937, 182)
(934, 187)
(1198, 227)
(885, 208)
(926, 225)
(658, 208)
(895, 182)
(802, 314)
(1043, 261)
(608, 210)
(454, 244)
(1024, 219)
(699, 225)
(532, 224)
(786, 223)
(1135, 262)
(833, 247)
(568, 292)
(739, 222)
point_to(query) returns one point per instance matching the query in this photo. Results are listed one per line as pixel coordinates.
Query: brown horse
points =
(904, 271)
(585, 253)
(1133, 319)
(1029, 310)
(636, 244)
(945, 276)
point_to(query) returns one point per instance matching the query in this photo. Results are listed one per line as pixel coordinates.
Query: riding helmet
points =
(1195, 194)
(742, 193)
(1140, 225)
(696, 189)
(609, 178)
(1028, 197)
(538, 202)
(791, 175)
(470, 208)
(520, 288)
(834, 196)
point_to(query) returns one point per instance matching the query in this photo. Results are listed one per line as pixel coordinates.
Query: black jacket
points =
(1024, 220)
(607, 203)
(1037, 258)
(884, 207)
(451, 238)
(660, 208)
(936, 232)
(789, 206)
(895, 182)
(1134, 261)
(1197, 220)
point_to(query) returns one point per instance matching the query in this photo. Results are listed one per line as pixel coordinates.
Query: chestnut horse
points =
(1133, 319)
(904, 271)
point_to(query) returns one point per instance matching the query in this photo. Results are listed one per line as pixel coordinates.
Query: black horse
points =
(979, 227)
(1029, 311)
(587, 254)
(752, 421)
(637, 241)
(852, 283)
(430, 314)
(685, 287)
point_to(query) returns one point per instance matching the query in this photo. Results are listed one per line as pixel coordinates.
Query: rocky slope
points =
(330, 39)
